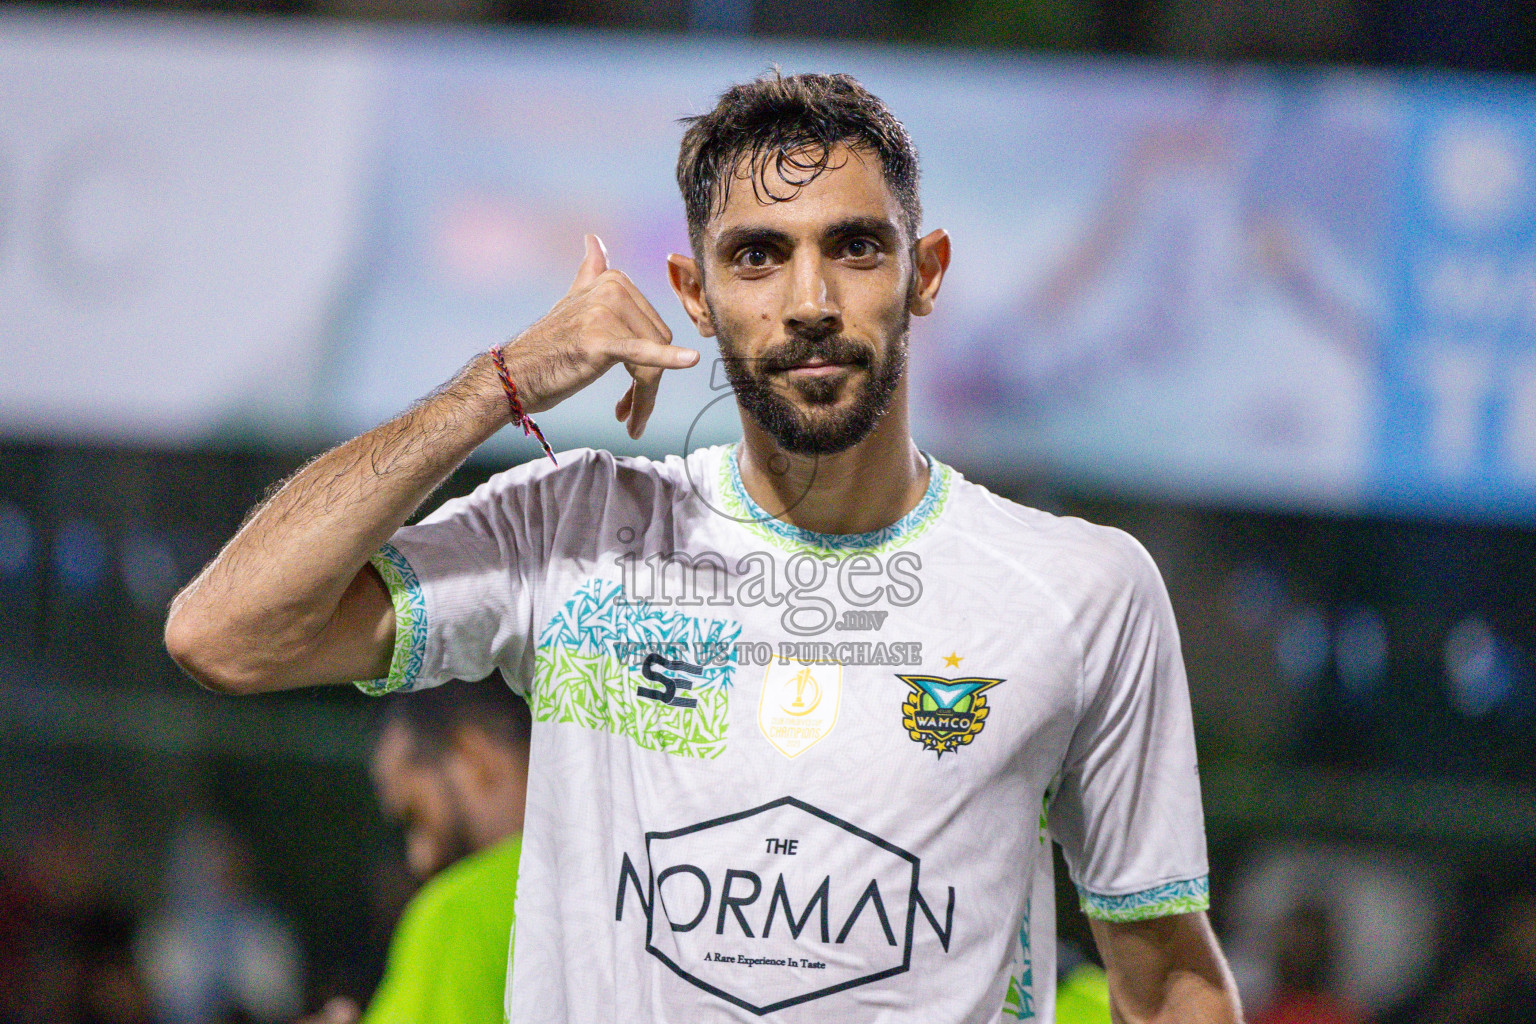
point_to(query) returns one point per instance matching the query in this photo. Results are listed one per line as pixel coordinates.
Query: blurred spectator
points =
(355, 973)
(218, 952)
(13, 944)
(1082, 996)
(1082, 990)
(1304, 963)
(65, 944)
(1494, 980)
(1378, 942)
(451, 764)
(112, 992)
(60, 890)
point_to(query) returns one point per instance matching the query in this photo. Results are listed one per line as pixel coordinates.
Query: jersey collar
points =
(740, 506)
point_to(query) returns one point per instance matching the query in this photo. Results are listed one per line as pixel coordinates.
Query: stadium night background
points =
(1254, 282)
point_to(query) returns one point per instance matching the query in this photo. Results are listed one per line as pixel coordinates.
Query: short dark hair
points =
(431, 717)
(790, 125)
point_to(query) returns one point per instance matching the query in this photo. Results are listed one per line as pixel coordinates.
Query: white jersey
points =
(800, 776)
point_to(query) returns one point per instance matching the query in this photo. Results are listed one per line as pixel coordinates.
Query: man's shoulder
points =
(585, 476)
(1000, 528)
(583, 467)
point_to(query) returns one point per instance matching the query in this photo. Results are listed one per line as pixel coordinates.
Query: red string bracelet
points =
(518, 416)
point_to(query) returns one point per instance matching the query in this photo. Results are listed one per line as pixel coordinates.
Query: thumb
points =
(593, 263)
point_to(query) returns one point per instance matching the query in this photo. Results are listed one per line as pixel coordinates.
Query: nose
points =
(811, 307)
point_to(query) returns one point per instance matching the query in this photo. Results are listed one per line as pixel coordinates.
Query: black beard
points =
(807, 432)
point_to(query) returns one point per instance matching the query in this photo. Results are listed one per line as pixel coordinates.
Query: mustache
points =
(801, 348)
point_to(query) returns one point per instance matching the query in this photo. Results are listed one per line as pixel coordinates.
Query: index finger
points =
(642, 399)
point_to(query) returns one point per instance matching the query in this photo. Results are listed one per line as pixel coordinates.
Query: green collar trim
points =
(740, 506)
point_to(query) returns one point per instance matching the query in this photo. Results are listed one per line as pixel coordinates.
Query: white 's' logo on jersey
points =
(799, 703)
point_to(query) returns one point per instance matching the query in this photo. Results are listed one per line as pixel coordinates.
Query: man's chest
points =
(801, 794)
(808, 665)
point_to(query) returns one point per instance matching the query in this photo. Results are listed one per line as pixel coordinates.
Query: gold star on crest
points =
(952, 660)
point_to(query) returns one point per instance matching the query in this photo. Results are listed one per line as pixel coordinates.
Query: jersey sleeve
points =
(1127, 809)
(464, 581)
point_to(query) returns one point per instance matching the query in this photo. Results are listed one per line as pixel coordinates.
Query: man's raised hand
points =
(601, 321)
(290, 601)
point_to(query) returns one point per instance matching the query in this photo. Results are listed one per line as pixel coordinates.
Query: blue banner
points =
(1457, 425)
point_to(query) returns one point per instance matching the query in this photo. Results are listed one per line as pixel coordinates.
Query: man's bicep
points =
(1167, 968)
(359, 641)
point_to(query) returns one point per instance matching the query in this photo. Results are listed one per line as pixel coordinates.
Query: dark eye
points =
(755, 257)
(859, 248)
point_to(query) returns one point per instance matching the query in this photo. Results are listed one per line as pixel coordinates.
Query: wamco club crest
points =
(945, 714)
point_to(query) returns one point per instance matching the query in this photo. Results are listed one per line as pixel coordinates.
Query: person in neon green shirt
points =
(1082, 996)
(451, 764)
(448, 959)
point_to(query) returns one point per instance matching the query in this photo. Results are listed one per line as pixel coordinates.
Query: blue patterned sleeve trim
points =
(410, 623)
(1184, 897)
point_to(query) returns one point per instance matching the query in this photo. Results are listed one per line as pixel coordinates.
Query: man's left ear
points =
(930, 259)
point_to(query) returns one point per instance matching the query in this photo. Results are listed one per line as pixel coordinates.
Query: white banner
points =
(178, 206)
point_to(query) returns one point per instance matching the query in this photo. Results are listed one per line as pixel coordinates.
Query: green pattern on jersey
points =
(1184, 897)
(740, 506)
(580, 678)
(1019, 1003)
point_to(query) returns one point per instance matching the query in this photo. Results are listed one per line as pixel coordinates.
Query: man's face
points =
(420, 794)
(809, 300)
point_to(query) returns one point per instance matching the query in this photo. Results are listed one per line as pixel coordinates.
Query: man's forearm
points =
(255, 618)
(1167, 970)
(289, 602)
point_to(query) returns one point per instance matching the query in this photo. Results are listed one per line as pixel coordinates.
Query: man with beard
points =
(714, 833)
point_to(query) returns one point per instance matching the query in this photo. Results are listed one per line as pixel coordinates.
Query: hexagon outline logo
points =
(911, 917)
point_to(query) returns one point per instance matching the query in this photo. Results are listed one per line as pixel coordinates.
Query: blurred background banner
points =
(179, 208)
(1286, 289)
(1458, 421)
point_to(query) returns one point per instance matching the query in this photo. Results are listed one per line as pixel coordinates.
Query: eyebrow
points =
(735, 239)
(880, 227)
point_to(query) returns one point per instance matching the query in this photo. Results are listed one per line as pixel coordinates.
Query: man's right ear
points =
(688, 282)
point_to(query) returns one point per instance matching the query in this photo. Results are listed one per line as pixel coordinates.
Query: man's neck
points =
(868, 487)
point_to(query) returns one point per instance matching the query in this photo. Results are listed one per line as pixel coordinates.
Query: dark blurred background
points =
(1356, 609)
